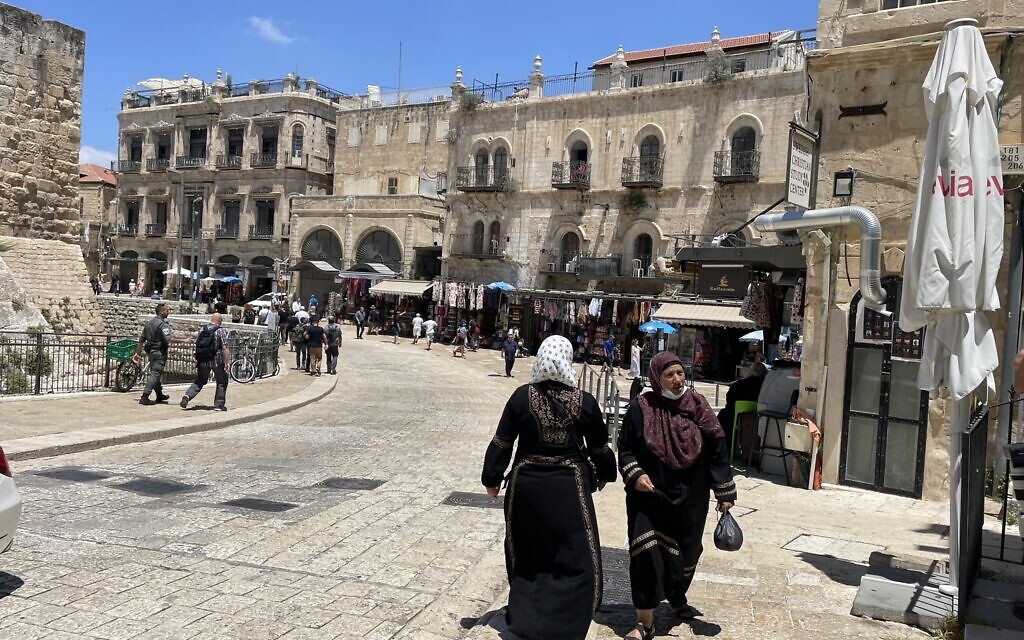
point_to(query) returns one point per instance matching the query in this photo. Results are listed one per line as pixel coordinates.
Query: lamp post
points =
(197, 204)
(181, 221)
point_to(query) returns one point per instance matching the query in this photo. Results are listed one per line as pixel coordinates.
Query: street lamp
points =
(197, 204)
(181, 222)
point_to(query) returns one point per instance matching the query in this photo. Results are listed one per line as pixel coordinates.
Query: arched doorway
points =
(481, 164)
(261, 276)
(321, 245)
(494, 239)
(382, 248)
(155, 278)
(569, 250)
(129, 270)
(478, 238)
(500, 166)
(643, 253)
(743, 147)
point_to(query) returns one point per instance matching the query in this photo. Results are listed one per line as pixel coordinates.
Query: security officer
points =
(155, 341)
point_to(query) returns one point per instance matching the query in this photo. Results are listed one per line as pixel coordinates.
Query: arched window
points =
(380, 247)
(650, 147)
(322, 245)
(494, 243)
(570, 249)
(478, 238)
(579, 152)
(481, 164)
(500, 165)
(297, 141)
(744, 150)
(650, 159)
(643, 248)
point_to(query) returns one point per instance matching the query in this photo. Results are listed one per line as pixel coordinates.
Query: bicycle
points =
(128, 371)
(245, 365)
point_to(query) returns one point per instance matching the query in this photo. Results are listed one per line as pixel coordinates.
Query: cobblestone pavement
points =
(137, 541)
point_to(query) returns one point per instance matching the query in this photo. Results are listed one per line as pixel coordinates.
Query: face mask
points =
(672, 396)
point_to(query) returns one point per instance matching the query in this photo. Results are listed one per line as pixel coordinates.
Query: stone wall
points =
(41, 63)
(55, 281)
(124, 315)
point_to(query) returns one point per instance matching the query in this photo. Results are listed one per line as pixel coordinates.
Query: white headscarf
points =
(554, 362)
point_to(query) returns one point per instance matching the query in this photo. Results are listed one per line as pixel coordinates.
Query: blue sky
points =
(347, 45)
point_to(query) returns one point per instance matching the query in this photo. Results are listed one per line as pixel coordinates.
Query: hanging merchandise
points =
(797, 315)
(537, 307)
(595, 308)
(758, 309)
(615, 312)
(480, 297)
(453, 294)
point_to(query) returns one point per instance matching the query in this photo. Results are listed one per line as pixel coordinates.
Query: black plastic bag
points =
(728, 536)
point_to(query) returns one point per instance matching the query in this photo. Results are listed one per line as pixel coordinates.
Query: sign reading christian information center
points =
(801, 168)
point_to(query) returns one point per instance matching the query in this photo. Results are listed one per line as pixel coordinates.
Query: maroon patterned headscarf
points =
(674, 430)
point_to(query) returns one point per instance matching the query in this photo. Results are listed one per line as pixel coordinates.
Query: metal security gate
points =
(884, 413)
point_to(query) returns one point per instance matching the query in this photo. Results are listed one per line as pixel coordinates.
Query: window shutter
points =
(415, 132)
(355, 136)
(442, 131)
(381, 136)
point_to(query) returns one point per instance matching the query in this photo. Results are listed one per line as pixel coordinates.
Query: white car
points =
(10, 505)
(267, 300)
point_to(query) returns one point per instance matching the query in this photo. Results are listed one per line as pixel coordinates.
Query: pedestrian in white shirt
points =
(430, 326)
(417, 327)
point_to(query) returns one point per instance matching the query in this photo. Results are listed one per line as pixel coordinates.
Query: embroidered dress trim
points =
(501, 443)
(552, 429)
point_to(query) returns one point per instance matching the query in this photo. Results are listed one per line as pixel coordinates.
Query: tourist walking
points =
(508, 350)
(609, 353)
(429, 327)
(396, 327)
(313, 302)
(374, 319)
(155, 341)
(298, 337)
(634, 359)
(459, 344)
(333, 334)
(212, 355)
(417, 328)
(95, 284)
(360, 319)
(552, 546)
(288, 326)
(672, 455)
(316, 338)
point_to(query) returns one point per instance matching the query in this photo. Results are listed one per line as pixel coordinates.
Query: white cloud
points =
(92, 155)
(266, 29)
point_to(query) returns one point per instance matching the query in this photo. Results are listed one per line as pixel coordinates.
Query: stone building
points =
(40, 98)
(386, 208)
(585, 181)
(241, 152)
(97, 190)
(879, 431)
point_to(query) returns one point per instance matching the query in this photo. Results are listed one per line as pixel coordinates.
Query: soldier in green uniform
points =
(155, 341)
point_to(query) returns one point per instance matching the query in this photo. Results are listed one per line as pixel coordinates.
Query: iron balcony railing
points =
(599, 266)
(560, 263)
(227, 232)
(570, 174)
(157, 164)
(474, 245)
(190, 162)
(484, 178)
(737, 166)
(263, 160)
(643, 171)
(156, 230)
(261, 231)
(128, 230)
(226, 161)
(129, 166)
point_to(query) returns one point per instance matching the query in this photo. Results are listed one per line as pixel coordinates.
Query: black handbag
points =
(728, 536)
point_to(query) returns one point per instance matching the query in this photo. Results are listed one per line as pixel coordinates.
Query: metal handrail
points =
(261, 232)
(226, 161)
(573, 173)
(263, 159)
(156, 230)
(642, 170)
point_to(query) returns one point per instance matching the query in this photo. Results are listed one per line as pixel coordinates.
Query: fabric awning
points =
(703, 315)
(401, 287)
(314, 265)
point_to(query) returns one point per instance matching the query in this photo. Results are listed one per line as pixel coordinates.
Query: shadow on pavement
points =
(9, 583)
(841, 571)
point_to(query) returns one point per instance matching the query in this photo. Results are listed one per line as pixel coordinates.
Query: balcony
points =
(229, 162)
(488, 178)
(190, 162)
(129, 166)
(226, 233)
(570, 174)
(642, 172)
(737, 166)
(261, 232)
(128, 230)
(560, 263)
(156, 230)
(639, 266)
(599, 266)
(158, 164)
(263, 160)
(468, 245)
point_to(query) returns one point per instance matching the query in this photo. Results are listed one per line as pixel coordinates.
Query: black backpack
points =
(206, 344)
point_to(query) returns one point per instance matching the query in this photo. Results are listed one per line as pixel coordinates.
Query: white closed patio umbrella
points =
(955, 242)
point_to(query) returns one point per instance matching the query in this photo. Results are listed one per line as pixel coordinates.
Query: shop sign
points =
(801, 167)
(515, 315)
(1013, 159)
(723, 282)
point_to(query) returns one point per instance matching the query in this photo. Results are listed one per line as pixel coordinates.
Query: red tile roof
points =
(690, 49)
(92, 173)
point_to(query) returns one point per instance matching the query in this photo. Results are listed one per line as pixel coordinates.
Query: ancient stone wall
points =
(124, 315)
(54, 278)
(41, 63)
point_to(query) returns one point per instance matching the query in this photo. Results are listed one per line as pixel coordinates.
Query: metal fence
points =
(603, 386)
(36, 363)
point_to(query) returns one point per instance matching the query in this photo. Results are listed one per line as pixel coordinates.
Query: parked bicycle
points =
(128, 371)
(250, 359)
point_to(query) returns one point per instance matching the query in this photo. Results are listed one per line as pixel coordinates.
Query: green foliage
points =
(39, 366)
(18, 304)
(17, 382)
(717, 69)
(470, 101)
(10, 358)
(634, 201)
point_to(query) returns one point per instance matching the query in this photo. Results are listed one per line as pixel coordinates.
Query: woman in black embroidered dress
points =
(672, 454)
(552, 548)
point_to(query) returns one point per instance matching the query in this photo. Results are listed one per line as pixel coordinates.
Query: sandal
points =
(646, 633)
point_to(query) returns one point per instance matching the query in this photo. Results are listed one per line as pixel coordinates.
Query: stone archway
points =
(380, 246)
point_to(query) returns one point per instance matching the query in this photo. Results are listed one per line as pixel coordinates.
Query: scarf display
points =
(674, 429)
(554, 362)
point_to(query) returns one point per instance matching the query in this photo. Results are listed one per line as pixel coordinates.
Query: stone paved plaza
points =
(344, 532)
